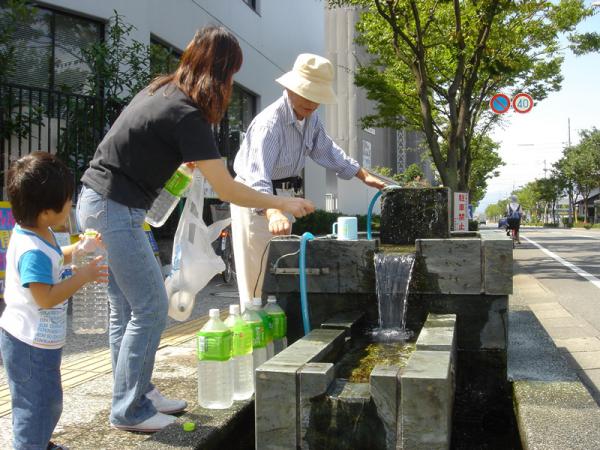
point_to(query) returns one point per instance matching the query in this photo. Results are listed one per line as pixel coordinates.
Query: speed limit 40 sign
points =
(522, 103)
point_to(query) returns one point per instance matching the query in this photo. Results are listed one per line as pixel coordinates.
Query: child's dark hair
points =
(37, 182)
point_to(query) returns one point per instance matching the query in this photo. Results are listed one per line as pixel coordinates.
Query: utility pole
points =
(546, 170)
(569, 131)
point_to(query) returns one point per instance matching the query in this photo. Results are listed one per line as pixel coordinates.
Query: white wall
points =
(270, 38)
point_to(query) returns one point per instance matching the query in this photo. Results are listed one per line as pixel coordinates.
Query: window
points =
(229, 133)
(250, 3)
(164, 58)
(50, 46)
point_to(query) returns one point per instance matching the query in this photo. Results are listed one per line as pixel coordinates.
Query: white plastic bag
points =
(194, 261)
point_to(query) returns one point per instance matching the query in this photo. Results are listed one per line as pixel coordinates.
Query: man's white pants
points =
(250, 234)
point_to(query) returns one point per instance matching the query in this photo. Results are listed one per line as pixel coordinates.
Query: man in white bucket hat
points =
(272, 156)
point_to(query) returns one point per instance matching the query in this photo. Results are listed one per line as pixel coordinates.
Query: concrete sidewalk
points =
(87, 379)
(577, 341)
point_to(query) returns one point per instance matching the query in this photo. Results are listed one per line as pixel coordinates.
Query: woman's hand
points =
(296, 206)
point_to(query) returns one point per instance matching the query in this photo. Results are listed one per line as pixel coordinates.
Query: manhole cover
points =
(232, 294)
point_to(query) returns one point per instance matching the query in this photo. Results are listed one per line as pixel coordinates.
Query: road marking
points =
(588, 276)
(584, 236)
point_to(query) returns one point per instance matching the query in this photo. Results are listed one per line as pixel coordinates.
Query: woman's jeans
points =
(37, 398)
(138, 302)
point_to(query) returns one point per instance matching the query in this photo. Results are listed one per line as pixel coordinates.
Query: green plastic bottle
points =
(257, 306)
(259, 343)
(169, 196)
(215, 366)
(243, 374)
(279, 322)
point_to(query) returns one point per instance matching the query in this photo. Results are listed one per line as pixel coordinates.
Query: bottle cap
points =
(234, 309)
(189, 426)
(90, 232)
(257, 301)
(271, 299)
(213, 313)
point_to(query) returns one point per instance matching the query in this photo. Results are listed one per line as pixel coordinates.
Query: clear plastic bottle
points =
(90, 303)
(257, 306)
(215, 368)
(169, 196)
(243, 374)
(279, 322)
(259, 344)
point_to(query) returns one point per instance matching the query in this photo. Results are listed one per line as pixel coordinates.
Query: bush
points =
(550, 225)
(473, 225)
(567, 222)
(320, 222)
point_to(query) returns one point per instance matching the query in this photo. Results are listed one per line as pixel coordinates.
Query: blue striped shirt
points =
(275, 148)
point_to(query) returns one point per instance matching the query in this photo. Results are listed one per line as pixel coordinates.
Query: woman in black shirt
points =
(166, 124)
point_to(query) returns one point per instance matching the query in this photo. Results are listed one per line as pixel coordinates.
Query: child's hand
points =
(97, 271)
(98, 239)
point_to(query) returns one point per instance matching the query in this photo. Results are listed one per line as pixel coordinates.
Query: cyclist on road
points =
(513, 217)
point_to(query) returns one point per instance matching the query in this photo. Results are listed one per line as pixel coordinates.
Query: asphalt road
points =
(567, 263)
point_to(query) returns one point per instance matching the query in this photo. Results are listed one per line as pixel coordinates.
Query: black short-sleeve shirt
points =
(153, 135)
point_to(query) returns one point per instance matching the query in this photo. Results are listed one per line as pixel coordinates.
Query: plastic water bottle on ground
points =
(279, 323)
(169, 196)
(215, 368)
(257, 306)
(243, 375)
(259, 343)
(90, 303)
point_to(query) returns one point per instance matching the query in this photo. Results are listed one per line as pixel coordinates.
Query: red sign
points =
(522, 103)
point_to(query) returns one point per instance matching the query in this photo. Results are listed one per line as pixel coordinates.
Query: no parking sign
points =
(500, 103)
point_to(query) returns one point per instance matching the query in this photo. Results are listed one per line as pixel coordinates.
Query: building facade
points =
(51, 73)
(371, 147)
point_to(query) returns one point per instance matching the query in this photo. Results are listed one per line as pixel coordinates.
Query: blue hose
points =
(303, 299)
(370, 213)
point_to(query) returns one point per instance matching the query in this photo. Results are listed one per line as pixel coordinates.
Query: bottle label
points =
(178, 183)
(242, 341)
(279, 322)
(214, 345)
(258, 334)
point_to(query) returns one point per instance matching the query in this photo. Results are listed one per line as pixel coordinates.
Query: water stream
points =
(393, 272)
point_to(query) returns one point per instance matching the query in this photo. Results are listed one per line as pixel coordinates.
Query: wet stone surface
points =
(408, 214)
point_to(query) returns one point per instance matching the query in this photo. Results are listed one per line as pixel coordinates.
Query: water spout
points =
(393, 272)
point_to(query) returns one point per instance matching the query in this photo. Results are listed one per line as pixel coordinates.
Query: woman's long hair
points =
(206, 70)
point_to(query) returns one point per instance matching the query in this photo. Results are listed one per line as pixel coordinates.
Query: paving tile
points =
(581, 344)
(567, 332)
(587, 360)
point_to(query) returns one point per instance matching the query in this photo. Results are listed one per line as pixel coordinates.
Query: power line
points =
(239, 37)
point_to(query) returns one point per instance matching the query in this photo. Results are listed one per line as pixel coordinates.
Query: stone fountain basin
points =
(411, 405)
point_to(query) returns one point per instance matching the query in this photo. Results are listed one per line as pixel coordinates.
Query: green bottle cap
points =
(189, 426)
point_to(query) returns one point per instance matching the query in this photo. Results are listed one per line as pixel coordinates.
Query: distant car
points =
(482, 222)
(502, 223)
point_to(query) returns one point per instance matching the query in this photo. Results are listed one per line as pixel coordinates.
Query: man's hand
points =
(279, 225)
(296, 206)
(369, 179)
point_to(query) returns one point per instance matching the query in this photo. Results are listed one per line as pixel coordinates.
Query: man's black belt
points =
(294, 183)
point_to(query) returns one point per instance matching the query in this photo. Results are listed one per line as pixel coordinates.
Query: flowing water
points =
(393, 272)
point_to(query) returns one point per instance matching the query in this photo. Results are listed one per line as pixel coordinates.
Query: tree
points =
(486, 160)
(435, 64)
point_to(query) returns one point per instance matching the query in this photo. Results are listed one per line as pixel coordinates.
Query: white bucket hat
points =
(311, 78)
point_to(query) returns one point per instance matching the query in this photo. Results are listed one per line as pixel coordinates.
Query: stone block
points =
(277, 388)
(344, 266)
(497, 256)
(345, 418)
(426, 402)
(448, 266)
(315, 379)
(481, 320)
(408, 214)
(275, 406)
(385, 391)
(349, 321)
(438, 333)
